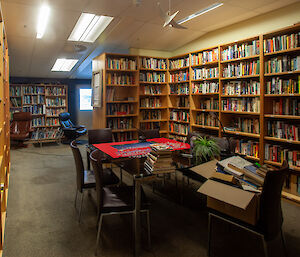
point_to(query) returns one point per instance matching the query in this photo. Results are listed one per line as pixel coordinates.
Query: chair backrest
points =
(96, 136)
(98, 172)
(64, 119)
(149, 133)
(79, 165)
(270, 202)
(21, 123)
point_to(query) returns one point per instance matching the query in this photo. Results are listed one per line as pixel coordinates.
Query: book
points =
(251, 172)
(235, 161)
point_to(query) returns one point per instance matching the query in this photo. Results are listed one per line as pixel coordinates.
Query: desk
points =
(130, 155)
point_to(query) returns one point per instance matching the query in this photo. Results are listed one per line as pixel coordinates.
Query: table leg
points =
(137, 219)
(88, 160)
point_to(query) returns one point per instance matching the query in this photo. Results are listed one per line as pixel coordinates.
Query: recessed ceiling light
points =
(89, 27)
(196, 14)
(63, 64)
(42, 20)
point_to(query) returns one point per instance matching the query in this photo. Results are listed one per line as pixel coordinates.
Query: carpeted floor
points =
(41, 219)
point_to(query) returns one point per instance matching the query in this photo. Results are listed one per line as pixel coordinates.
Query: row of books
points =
(179, 76)
(153, 63)
(286, 106)
(110, 94)
(283, 130)
(34, 99)
(280, 43)
(182, 101)
(119, 109)
(15, 102)
(35, 109)
(277, 153)
(54, 102)
(182, 129)
(46, 133)
(54, 111)
(15, 91)
(120, 79)
(176, 115)
(151, 102)
(204, 57)
(209, 104)
(124, 136)
(180, 89)
(241, 69)
(284, 63)
(149, 125)
(151, 89)
(245, 125)
(205, 87)
(52, 122)
(178, 138)
(205, 73)
(241, 50)
(283, 86)
(34, 90)
(179, 63)
(151, 114)
(120, 123)
(241, 104)
(53, 91)
(247, 147)
(241, 88)
(120, 63)
(38, 122)
(153, 77)
(206, 119)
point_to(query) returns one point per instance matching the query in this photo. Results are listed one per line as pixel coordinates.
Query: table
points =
(131, 156)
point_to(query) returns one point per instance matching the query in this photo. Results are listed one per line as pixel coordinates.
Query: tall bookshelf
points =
(120, 88)
(4, 128)
(45, 102)
(153, 94)
(179, 96)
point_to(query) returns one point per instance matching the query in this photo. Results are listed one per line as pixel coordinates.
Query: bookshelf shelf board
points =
(153, 108)
(31, 104)
(295, 168)
(283, 51)
(246, 113)
(0, 133)
(180, 108)
(199, 80)
(147, 95)
(241, 77)
(205, 127)
(122, 70)
(180, 121)
(206, 94)
(120, 85)
(240, 96)
(276, 116)
(282, 140)
(146, 121)
(124, 115)
(34, 94)
(63, 106)
(147, 69)
(291, 197)
(145, 82)
(282, 73)
(241, 59)
(178, 82)
(125, 101)
(179, 95)
(281, 95)
(205, 110)
(122, 130)
(252, 158)
(177, 69)
(205, 64)
(163, 131)
(239, 133)
(176, 133)
(55, 96)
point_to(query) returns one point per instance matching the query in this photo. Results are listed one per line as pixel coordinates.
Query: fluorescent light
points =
(42, 20)
(63, 64)
(196, 14)
(89, 27)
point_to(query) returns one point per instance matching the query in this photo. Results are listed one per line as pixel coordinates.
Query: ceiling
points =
(133, 26)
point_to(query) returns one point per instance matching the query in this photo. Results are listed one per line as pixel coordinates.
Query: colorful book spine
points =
(205, 87)
(120, 79)
(179, 89)
(120, 63)
(246, 147)
(209, 104)
(245, 125)
(150, 102)
(284, 63)
(278, 85)
(179, 63)
(276, 153)
(179, 76)
(241, 50)
(241, 104)
(151, 114)
(119, 109)
(206, 119)
(177, 115)
(181, 129)
(286, 106)
(241, 69)
(205, 57)
(283, 130)
(120, 123)
(205, 73)
(241, 88)
(153, 63)
(158, 77)
(151, 89)
(283, 42)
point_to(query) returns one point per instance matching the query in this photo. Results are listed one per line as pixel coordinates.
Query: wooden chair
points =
(269, 225)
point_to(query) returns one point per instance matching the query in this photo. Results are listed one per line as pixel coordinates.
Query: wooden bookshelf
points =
(45, 102)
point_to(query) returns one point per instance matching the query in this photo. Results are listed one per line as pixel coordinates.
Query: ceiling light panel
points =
(89, 27)
(42, 20)
(63, 64)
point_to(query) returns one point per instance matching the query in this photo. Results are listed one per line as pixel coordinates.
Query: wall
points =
(274, 20)
(147, 52)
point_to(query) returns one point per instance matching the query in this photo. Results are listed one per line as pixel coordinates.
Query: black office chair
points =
(71, 131)
(149, 133)
(269, 225)
(114, 200)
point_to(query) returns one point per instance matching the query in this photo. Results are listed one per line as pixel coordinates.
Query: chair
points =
(85, 178)
(269, 225)
(149, 133)
(71, 131)
(20, 128)
(114, 200)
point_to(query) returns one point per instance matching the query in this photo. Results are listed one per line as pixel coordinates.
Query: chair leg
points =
(75, 198)
(80, 210)
(121, 176)
(98, 234)
(148, 229)
(209, 234)
(265, 246)
(284, 244)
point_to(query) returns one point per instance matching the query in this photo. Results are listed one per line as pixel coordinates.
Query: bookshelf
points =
(4, 128)
(45, 102)
(153, 94)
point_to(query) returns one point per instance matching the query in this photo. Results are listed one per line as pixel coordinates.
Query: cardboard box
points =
(232, 201)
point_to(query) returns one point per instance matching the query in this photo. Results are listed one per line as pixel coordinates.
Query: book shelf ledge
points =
(158, 120)
(122, 70)
(279, 164)
(241, 59)
(55, 96)
(148, 82)
(205, 127)
(204, 94)
(153, 108)
(277, 116)
(204, 79)
(291, 197)
(282, 140)
(181, 68)
(239, 112)
(176, 133)
(205, 64)
(205, 110)
(241, 77)
(240, 96)
(147, 95)
(180, 121)
(180, 108)
(240, 133)
(121, 85)
(283, 51)
(282, 73)
(281, 95)
(149, 69)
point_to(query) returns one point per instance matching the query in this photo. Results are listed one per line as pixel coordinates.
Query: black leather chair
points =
(149, 133)
(269, 225)
(71, 131)
(85, 178)
(115, 199)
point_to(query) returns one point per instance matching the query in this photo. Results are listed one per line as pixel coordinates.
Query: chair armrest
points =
(79, 127)
(69, 129)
